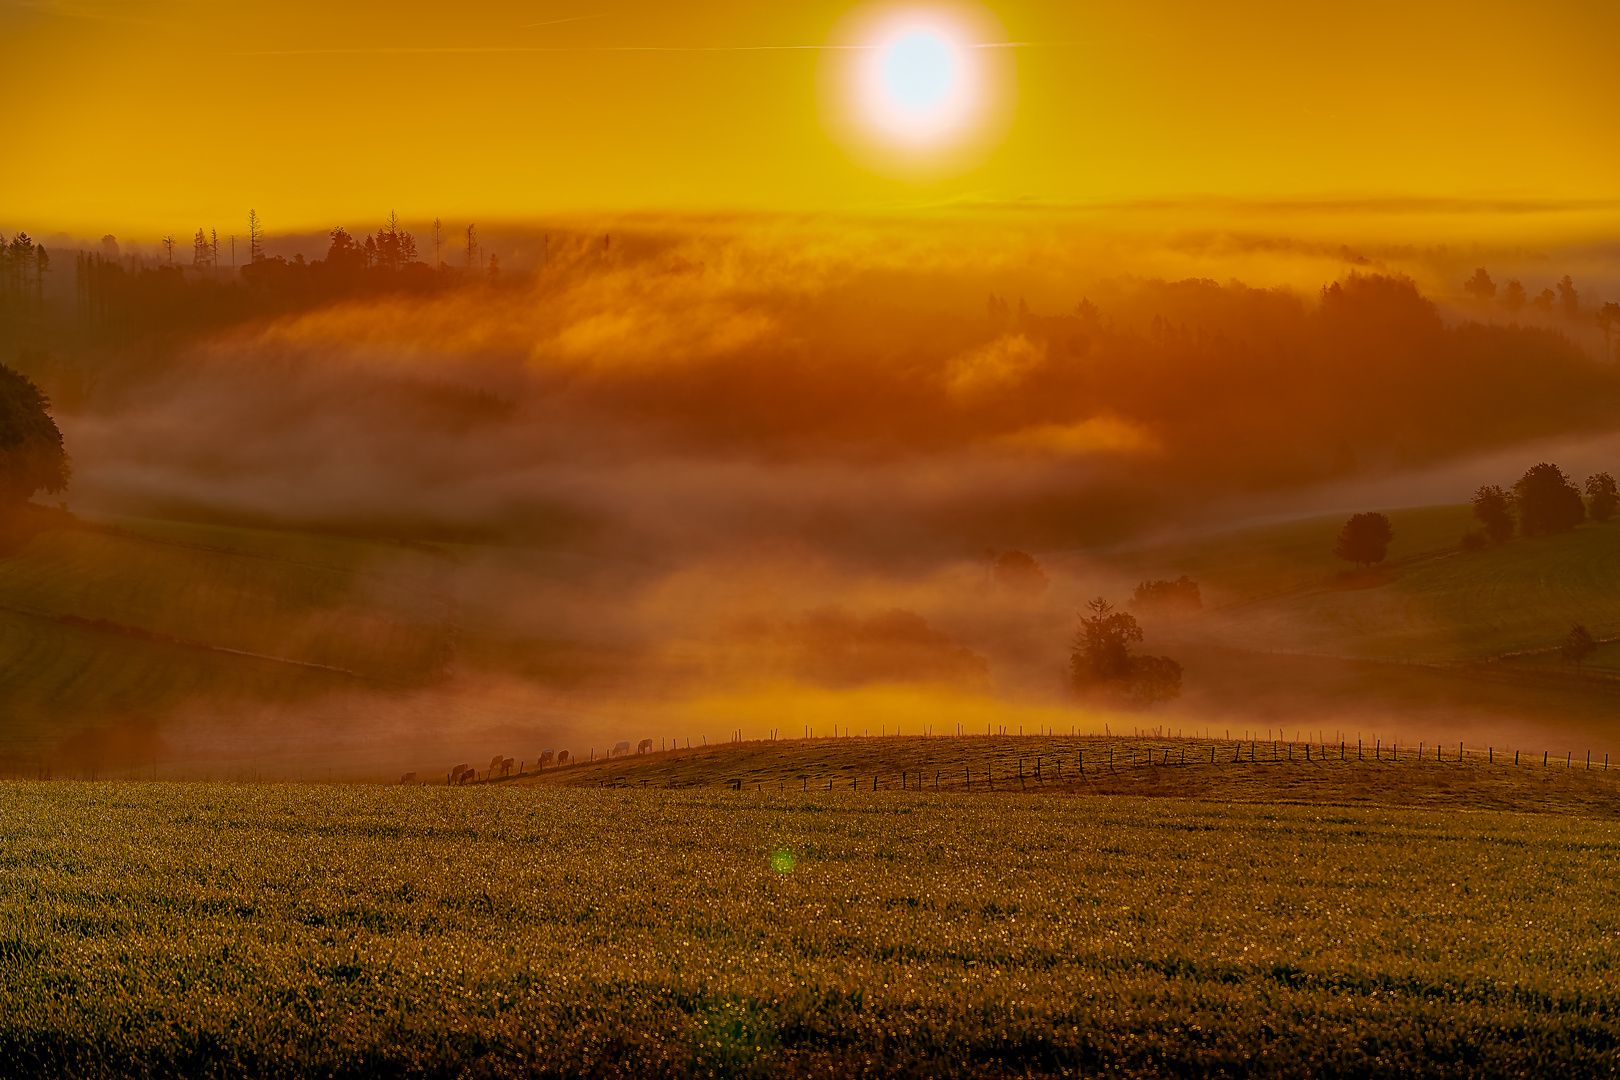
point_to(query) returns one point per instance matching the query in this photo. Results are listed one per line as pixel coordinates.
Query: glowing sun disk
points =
(917, 87)
(918, 70)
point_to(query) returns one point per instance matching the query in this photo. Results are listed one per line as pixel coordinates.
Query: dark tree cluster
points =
(1180, 595)
(1603, 496)
(1365, 539)
(1578, 645)
(1547, 501)
(31, 454)
(1101, 664)
(1018, 572)
(1563, 299)
(1543, 501)
(1493, 509)
(23, 266)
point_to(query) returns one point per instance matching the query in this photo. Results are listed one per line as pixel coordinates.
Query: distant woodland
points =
(1139, 402)
(212, 281)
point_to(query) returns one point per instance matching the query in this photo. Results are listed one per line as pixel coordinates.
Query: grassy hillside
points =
(1279, 588)
(121, 624)
(1245, 564)
(289, 931)
(130, 619)
(1160, 767)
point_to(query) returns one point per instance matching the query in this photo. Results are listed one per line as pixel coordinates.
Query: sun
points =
(917, 88)
(918, 85)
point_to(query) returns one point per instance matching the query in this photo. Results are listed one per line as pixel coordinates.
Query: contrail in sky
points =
(574, 18)
(386, 51)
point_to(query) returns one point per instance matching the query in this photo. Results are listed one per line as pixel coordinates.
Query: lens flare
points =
(917, 88)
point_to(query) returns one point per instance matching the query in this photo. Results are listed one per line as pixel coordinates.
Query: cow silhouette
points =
(644, 747)
(547, 757)
(495, 763)
(620, 749)
(460, 773)
(563, 758)
(506, 766)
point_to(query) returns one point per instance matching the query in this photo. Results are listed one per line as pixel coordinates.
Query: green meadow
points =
(219, 931)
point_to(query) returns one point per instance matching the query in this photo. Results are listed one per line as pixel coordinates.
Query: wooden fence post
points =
(1544, 759)
(1490, 755)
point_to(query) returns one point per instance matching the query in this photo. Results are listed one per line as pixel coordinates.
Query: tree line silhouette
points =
(1565, 301)
(119, 297)
(23, 266)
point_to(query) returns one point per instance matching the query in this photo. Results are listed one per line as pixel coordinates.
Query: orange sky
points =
(158, 115)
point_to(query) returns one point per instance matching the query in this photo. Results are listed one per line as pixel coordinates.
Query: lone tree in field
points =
(31, 455)
(1493, 508)
(1100, 660)
(1600, 487)
(1364, 540)
(1578, 645)
(1548, 502)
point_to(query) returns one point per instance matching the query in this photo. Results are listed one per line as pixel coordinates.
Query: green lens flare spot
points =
(782, 861)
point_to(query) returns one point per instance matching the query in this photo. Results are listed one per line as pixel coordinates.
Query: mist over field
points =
(717, 475)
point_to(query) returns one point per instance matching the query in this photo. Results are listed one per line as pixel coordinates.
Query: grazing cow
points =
(495, 763)
(506, 766)
(457, 773)
(464, 773)
(547, 757)
(620, 749)
(407, 778)
(644, 747)
(562, 757)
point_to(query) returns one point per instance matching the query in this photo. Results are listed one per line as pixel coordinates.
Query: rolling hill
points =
(119, 626)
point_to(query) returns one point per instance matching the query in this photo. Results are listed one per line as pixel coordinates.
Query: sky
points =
(149, 116)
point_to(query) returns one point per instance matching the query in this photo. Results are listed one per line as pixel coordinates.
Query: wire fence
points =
(1077, 760)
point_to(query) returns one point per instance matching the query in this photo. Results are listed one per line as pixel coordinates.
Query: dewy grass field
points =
(212, 930)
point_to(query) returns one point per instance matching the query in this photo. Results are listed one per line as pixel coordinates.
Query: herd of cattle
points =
(501, 766)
